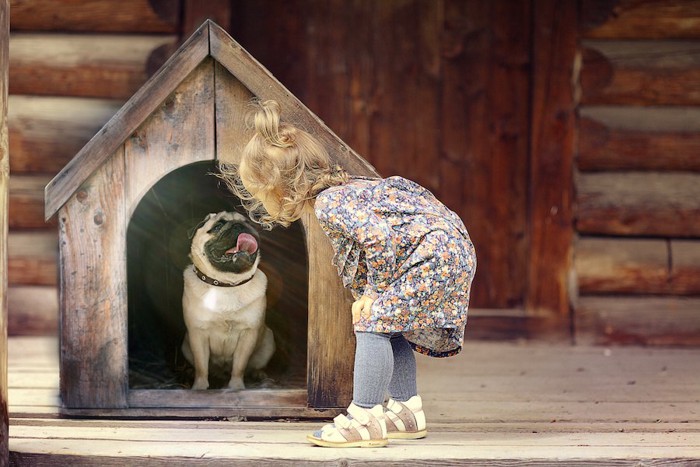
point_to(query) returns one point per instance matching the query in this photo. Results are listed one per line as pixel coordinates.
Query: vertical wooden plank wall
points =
(435, 91)
(638, 184)
(551, 158)
(4, 178)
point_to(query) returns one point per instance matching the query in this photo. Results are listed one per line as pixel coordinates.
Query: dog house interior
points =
(158, 246)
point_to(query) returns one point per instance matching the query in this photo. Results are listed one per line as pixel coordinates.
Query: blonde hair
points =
(281, 161)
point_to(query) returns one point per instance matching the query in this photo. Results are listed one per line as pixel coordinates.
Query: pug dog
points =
(224, 301)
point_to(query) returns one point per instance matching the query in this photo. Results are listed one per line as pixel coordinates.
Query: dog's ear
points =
(193, 230)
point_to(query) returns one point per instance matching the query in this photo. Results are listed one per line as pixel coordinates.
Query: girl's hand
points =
(362, 308)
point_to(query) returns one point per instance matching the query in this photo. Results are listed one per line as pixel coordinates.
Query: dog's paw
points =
(236, 384)
(200, 385)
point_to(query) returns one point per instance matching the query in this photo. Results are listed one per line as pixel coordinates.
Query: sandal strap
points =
(401, 417)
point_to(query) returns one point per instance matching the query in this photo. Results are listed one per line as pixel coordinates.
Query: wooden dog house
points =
(151, 161)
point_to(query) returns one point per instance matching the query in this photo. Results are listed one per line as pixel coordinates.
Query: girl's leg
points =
(403, 380)
(374, 365)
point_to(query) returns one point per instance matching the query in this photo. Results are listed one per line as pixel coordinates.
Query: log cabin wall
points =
(638, 180)
(464, 64)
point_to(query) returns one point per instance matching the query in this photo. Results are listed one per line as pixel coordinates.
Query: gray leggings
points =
(383, 363)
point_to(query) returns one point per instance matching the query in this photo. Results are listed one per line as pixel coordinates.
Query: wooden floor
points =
(495, 404)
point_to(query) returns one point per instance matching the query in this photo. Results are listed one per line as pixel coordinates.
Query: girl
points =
(407, 259)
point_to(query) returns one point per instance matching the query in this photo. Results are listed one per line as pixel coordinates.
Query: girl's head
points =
(281, 170)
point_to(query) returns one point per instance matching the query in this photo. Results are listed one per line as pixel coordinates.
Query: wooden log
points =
(641, 204)
(46, 132)
(32, 258)
(33, 311)
(638, 266)
(552, 153)
(669, 321)
(4, 225)
(108, 66)
(26, 202)
(613, 265)
(131, 16)
(633, 138)
(632, 19)
(685, 266)
(640, 73)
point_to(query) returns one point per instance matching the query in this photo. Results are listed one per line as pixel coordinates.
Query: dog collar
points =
(211, 281)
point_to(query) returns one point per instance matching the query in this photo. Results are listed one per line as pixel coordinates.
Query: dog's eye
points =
(217, 227)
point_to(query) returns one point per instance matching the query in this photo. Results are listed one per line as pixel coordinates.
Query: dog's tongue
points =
(246, 242)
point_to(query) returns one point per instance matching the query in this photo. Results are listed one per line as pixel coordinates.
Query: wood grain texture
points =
(32, 310)
(634, 203)
(482, 148)
(640, 73)
(148, 98)
(46, 132)
(133, 16)
(331, 342)
(670, 321)
(638, 266)
(179, 132)
(93, 285)
(103, 66)
(634, 266)
(517, 404)
(26, 202)
(634, 19)
(32, 257)
(4, 224)
(551, 164)
(633, 138)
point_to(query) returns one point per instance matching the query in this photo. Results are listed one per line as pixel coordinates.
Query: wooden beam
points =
(639, 204)
(132, 16)
(44, 136)
(32, 257)
(606, 265)
(32, 310)
(551, 157)
(4, 201)
(105, 66)
(639, 321)
(634, 266)
(26, 202)
(640, 73)
(634, 138)
(648, 19)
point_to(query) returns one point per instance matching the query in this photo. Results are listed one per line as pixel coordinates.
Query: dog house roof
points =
(210, 40)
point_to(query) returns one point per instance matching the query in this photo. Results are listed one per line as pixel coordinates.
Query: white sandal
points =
(405, 420)
(363, 428)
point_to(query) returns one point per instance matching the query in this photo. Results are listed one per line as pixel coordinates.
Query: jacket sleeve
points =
(350, 212)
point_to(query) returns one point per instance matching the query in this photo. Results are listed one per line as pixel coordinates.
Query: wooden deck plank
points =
(495, 404)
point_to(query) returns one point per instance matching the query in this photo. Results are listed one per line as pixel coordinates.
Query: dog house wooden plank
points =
(232, 105)
(126, 120)
(93, 301)
(179, 132)
(331, 343)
